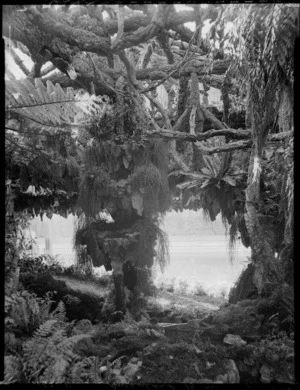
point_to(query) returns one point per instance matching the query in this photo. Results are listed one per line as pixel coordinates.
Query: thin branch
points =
(177, 67)
(121, 16)
(231, 133)
(163, 39)
(225, 148)
(214, 121)
(143, 34)
(280, 136)
(120, 106)
(181, 120)
(145, 57)
(100, 76)
(244, 135)
(161, 110)
(192, 120)
(129, 67)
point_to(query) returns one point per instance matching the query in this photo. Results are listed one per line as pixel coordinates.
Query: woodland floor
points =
(177, 338)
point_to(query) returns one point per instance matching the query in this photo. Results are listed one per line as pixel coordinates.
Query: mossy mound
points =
(79, 305)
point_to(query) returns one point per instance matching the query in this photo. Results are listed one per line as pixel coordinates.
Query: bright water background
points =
(199, 251)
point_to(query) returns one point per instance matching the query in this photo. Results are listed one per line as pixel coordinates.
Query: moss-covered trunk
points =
(262, 255)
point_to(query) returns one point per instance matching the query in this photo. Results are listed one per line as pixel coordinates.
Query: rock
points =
(237, 320)
(234, 339)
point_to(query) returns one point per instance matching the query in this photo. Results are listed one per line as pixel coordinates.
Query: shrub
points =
(43, 263)
(26, 312)
(199, 290)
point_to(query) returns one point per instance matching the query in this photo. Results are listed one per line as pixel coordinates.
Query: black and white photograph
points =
(149, 193)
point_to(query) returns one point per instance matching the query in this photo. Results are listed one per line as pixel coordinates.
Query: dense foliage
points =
(113, 118)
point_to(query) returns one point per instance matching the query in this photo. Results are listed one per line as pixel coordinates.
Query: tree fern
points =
(51, 105)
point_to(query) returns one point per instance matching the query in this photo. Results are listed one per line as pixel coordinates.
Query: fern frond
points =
(59, 312)
(45, 329)
(67, 344)
(51, 105)
(12, 369)
(49, 353)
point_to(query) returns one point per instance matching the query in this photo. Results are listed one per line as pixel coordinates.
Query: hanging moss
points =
(149, 234)
(151, 178)
(94, 187)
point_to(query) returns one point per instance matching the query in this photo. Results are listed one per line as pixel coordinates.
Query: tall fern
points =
(49, 354)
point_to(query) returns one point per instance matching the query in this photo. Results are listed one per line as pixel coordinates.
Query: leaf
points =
(137, 202)
(30, 190)
(125, 162)
(229, 180)
(205, 183)
(207, 171)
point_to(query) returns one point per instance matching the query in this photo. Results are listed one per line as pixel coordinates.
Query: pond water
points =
(199, 252)
(204, 260)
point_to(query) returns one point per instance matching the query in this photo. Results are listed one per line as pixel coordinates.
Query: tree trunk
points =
(262, 255)
(118, 277)
(11, 250)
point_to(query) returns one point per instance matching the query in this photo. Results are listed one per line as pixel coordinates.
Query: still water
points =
(199, 252)
(204, 259)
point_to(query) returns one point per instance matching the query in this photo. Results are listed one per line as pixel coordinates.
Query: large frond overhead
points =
(50, 104)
